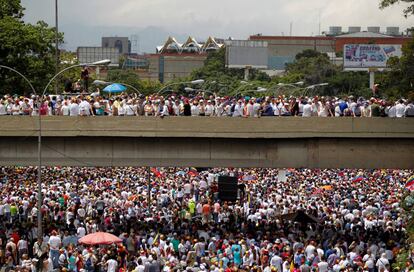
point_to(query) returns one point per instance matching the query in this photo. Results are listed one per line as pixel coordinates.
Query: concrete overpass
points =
(210, 142)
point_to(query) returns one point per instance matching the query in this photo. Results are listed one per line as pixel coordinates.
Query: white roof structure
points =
(364, 34)
(170, 44)
(191, 45)
(211, 44)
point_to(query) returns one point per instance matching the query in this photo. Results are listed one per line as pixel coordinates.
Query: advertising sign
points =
(369, 55)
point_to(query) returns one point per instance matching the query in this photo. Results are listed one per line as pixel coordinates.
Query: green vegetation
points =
(407, 11)
(27, 48)
(30, 49)
(131, 78)
(311, 67)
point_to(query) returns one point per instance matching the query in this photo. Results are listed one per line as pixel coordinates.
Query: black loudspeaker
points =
(227, 187)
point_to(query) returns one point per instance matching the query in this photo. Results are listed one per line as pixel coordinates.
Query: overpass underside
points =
(209, 142)
(210, 152)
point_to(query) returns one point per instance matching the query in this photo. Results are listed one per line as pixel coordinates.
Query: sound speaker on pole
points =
(227, 187)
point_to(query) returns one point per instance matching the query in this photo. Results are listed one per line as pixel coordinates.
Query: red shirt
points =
(206, 209)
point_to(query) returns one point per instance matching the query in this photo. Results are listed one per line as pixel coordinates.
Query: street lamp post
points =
(39, 157)
(56, 41)
(312, 87)
(39, 180)
(194, 82)
(39, 138)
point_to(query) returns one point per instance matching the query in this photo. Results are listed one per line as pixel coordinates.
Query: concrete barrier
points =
(266, 127)
(210, 142)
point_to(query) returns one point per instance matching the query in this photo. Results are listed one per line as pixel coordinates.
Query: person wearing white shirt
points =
(54, 243)
(112, 265)
(121, 109)
(130, 109)
(195, 110)
(238, 109)
(65, 109)
(177, 108)
(275, 108)
(409, 109)
(323, 266)
(400, 109)
(256, 108)
(164, 109)
(307, 109)
(276, 262)
(84, 108)
(81, 231)
(392, 111)
(2, 108)
(249, 109)
(382, 262)
(16, 109)
(74, 108)
(209, 109)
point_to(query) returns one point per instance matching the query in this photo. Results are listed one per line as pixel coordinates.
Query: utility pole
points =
(149, 188)
(57, 44)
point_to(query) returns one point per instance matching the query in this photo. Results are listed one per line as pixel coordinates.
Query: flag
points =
(410, 182)
(317, 191)
(358, 178)
(192, 173)
(156, 172)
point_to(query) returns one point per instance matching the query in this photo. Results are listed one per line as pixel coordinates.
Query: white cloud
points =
(221, 18)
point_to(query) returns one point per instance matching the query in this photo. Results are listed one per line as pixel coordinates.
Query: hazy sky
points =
(84, 21)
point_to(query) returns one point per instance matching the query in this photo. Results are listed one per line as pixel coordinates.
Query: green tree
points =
(407, 11)
(399, 81)
(124, 76)
(314, 69)
(131, 78)
(26, 47)
(11, 8)
(308, 53)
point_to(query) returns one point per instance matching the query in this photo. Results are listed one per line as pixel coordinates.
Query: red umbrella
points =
(99, 238)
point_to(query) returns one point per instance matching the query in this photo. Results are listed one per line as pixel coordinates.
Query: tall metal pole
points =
(57, 43)
(149, 188)
(39, 139)
(39, 153)
(39, 174)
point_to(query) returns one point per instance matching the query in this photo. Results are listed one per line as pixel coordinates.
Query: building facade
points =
(121, 43)
(174, 60)
(283, 49)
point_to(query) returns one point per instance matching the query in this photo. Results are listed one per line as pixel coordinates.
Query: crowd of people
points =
(173, 219)
(201, 105)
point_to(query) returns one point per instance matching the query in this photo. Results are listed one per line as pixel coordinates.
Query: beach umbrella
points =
(114, 88)
(99, 238)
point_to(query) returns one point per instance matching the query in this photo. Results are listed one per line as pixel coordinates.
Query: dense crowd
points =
(350, 220)
(200, 105)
